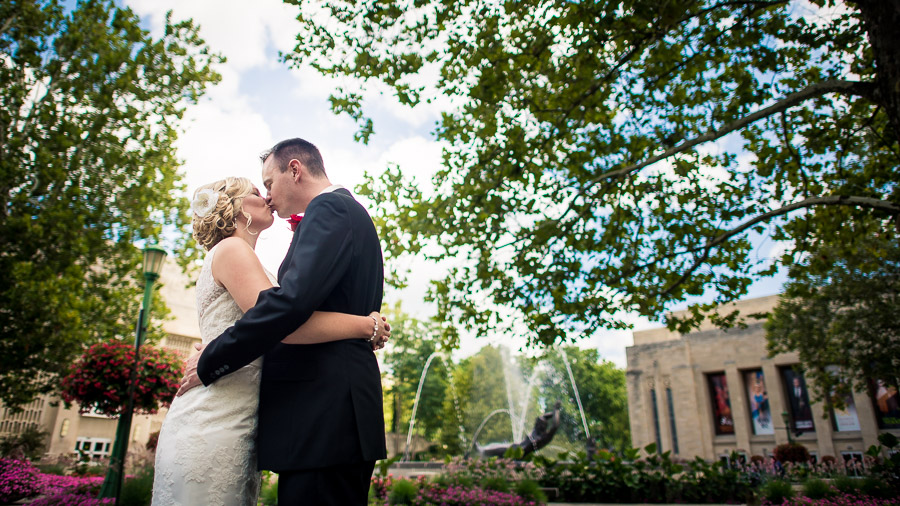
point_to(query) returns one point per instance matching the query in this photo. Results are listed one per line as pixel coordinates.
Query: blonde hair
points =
(221, 222)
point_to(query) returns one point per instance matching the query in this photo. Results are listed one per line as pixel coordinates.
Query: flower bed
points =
(20, 479)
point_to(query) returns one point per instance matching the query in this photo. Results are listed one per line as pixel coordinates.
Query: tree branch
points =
(7, 24)
(840, 200)
(859, 88)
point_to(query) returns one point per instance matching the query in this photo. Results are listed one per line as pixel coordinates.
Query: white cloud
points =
(242, 31)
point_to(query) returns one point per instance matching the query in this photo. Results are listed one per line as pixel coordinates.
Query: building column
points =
(868, 423)
(738, 407)
(777, 402)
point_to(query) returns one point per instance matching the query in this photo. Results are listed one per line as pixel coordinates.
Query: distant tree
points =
(29, 443)
(840, 314)
(481, 384)
(89, 111)
(580, 178)
(412, 342)
(601, 387)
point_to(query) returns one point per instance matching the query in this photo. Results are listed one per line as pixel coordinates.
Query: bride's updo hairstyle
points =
(215, 208)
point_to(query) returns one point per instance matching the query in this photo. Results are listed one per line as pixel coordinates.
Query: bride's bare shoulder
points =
(231, 253)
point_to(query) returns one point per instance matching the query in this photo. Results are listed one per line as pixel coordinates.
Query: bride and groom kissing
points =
(286, 379)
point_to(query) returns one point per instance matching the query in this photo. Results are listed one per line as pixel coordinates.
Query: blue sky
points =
(261, 101)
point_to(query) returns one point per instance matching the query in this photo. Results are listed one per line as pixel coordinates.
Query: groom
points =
(321, 426)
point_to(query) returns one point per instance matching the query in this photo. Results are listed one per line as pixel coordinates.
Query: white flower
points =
(204, 202)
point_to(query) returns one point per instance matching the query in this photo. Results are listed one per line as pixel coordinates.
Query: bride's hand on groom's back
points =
(190, 379)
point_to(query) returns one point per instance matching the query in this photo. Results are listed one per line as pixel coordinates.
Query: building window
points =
(798, 399)
(721, 404)
(758, 397)
(93, 448)
(672, 420)
(853, 463)
(656, 421)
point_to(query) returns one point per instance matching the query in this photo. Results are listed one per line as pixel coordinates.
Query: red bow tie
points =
(294, 221)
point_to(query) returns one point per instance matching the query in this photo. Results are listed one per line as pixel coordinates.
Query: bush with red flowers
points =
(99, 379)
(791, 452)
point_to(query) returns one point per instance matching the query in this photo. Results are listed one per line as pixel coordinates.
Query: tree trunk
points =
(881, 19)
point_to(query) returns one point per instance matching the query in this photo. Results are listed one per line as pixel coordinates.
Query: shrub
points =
(496, 483)
(30, 444)
(530, 490)
(52, 485)
(137, 490)
(403, 492)
(845, 484)
(152, 441)
(814, 488)
(844, 500)
(70, 500)
(459, 496)
(875, 486)
(791, 452)
(776, 491)
(18, 480)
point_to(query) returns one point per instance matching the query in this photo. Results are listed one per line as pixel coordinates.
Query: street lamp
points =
(112, 484)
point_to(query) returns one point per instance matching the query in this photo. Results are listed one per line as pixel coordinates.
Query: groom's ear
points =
(296, 169)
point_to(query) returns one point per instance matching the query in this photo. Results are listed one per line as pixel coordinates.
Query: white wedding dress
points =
(207, 445)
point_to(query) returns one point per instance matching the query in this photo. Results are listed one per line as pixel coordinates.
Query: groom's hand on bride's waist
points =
(190, 379)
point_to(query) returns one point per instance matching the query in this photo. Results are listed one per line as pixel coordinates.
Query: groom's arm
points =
(318, 262)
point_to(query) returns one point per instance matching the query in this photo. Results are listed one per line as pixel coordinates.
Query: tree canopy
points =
(89, 110)
(839, 313)
(610, 157)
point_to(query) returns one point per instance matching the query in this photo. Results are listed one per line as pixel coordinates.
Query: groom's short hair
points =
(296, 148)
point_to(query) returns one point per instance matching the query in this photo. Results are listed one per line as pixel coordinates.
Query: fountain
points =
(515, 384)
(545, 427)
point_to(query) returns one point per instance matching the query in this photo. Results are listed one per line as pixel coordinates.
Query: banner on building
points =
(798, 399)
(721, 404)
(887, 405)
(760, 414)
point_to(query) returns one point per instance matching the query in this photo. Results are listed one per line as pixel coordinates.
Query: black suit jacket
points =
(320, 405)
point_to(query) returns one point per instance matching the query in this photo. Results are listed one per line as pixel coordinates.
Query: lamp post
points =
(112, 484)
(787, 425)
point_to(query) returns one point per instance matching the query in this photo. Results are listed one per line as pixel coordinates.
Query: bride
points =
(207, 452)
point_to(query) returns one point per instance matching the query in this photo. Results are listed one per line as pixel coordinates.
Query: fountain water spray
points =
(412, 420)
(562, 352)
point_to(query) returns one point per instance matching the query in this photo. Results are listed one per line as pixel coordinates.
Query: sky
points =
(261, 101)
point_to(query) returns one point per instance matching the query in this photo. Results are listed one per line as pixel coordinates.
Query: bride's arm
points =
(237, 268)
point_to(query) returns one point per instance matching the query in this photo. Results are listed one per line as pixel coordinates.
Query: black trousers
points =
(338, 486)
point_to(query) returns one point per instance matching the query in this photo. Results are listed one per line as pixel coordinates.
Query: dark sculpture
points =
(545, 426)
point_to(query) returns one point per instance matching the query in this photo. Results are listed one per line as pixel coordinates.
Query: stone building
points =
(713, 392)
(93, 434)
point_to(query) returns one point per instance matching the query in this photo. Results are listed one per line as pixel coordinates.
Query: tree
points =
(89, 109)
(610, 157)
(839, 313)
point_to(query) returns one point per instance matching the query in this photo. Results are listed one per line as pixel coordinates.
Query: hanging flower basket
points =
(99, 379)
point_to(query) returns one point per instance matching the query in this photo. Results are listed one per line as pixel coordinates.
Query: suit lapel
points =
(290, 251)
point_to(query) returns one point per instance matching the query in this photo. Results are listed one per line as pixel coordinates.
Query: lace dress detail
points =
(207, 449)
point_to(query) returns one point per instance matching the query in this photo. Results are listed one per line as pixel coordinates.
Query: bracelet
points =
(374, 332)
